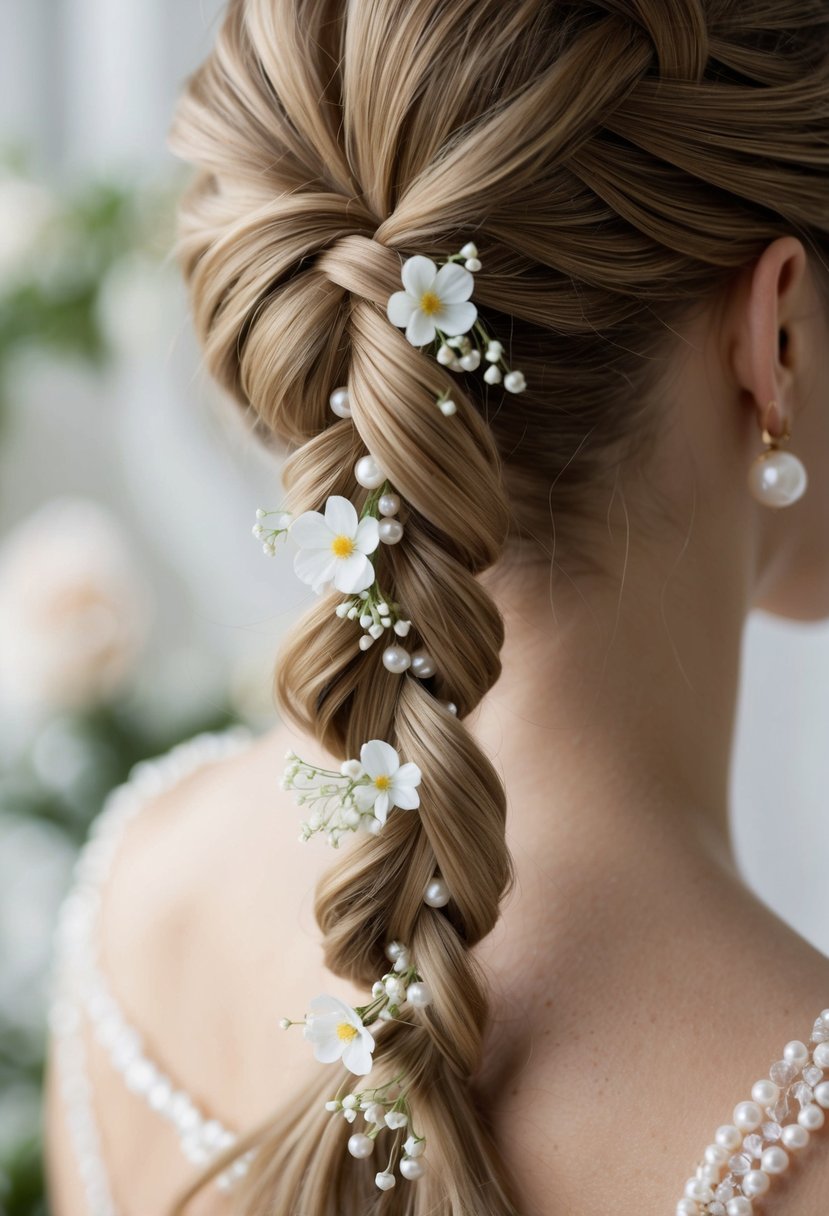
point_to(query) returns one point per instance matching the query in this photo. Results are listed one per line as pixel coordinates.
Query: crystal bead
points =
(812, 1074)
(740, 1163)
(803, 1093)
(724, 1192)
(783, 1073)
(780, 1109)
(820, 1031)
(772, 1131)
(716, 1208)
(753, 1144)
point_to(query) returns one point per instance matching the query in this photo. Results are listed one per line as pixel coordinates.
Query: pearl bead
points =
(811, 1117)
(697, 1188)
(774, 1160)
(794, 1136)
(419, 994)
(687, 1207)
(390, 531)
(765, 1092)
(368, 473)
(339, 403)
(423, 665)
(728, 1136)
(747, 1116)
(715, 1154)
(739, 1206)
(777, 479)
(451, 706)
(822, 1095)
(709, 1173)
(360, 1145)
(396, 659)
(821, 1055)
(796, 1052)
(394, 950)
(388, 504)
(436, 894)
(755, 1182)
(412, 1169)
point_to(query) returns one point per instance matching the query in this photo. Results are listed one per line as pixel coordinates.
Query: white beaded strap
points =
(757, 1144)
(79, 984)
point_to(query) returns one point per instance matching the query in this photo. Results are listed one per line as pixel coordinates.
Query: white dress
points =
(754, 1142)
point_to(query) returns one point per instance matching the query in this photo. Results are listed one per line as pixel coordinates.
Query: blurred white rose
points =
(25, 211)
(74, 610)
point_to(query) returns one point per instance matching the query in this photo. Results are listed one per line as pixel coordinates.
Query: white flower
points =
(396, 1118)
(390, 782)
(333, 546)
(514, 382)
(434, 299)
(337, 1031)
(384, 1180)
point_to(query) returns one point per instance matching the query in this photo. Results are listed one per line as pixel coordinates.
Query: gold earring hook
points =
(775, 440)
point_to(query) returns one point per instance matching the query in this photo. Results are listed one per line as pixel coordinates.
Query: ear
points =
(768, 350)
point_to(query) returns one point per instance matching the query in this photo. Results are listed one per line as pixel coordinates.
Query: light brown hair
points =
(616, 163)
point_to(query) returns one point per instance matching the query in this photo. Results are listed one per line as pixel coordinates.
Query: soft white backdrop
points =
(89, 84)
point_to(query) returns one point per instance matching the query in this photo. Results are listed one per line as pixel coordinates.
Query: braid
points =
(591, 148)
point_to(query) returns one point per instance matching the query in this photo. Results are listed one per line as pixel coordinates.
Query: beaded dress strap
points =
(80, 987)
(739, 1164)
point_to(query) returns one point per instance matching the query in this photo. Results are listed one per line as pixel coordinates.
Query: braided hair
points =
(613, 165)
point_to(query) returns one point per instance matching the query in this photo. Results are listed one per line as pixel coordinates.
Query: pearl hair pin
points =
(776, 478)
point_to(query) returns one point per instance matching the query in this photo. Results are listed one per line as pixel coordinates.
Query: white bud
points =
(365, 641)
(351, 768)
(333, 1104)
(472, 264)
(493, 352)
(284, 1023)
(385, 621)
(448, 407)
(492, 375)
(353, 613)
(445, 355)
(342, 609)
(350, 1102)
(383, 608)
(384, 1180)
(470, 250)
(396, 1118)
(514, 382)
(260, 513)
(376, 631)
(366, 619)
(401, 628)
(257, 530)
(472, 361)
(413, 1147)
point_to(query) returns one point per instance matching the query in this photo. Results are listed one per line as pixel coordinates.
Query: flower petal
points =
(310, 531)
(315, 566)
(454, 283)
(340, 516)
(367, 536)
(353, 573)
(419, 274)
(379, 758)
(421, 329)
(408, 774)
(400, 308)
(329, 1049)
(381, 806)
(325, 1003)
(357, 1055)
(457, 318)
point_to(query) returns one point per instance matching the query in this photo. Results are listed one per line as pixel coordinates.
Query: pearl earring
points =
(776, 478)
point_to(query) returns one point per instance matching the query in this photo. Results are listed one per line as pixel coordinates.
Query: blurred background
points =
(136, 609)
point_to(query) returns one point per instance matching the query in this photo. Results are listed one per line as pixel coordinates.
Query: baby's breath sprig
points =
(359, 796)
(339, 1031)
(269, 535)
(435, 310)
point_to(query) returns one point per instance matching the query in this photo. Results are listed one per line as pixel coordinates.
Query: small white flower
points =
(470, 250)
(375, 1114)
(332, 1104)
(396, 1118)
(514, 382)
(434, 299)
(337, 1032)
(351, 768)
(493, 351)
(390, 782)
(446, 356)
(448, 407)
(413, 1147)
(473, 264)
(333, 547)
(384, 1180)
(492, 375)
(350, 1102)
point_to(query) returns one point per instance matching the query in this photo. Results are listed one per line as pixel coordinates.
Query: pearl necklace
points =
(79, 987)
(756, 1144)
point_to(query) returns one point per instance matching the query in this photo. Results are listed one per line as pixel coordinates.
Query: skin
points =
(638, 987)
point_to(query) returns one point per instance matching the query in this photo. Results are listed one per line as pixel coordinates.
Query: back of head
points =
(615, 163)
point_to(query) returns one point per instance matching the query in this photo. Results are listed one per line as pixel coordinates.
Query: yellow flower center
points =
(346, 1031)
(382, 782)
(430, 303)
(342, 546)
